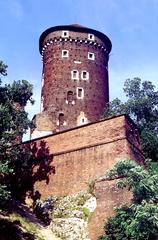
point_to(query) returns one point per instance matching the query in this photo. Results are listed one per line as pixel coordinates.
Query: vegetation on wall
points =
(138, 220)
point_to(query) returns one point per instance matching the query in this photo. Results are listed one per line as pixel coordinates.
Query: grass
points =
(87, 214)
(17, 227)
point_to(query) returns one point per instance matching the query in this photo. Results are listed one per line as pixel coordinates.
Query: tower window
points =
(65, 33)
(75, 74)
(70, 96)
(85, 75)
(81, 119)
(65, 53)
(61, 119)
(91, 37)
(91, 56)
(80, 93)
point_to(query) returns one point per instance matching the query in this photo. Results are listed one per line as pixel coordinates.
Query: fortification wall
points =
(108, 197)
(74, 157)
(85, 153)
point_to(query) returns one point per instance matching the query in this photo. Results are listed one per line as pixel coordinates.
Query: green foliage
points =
(142, 107)
(3, 68)
(143, 184)
(153, 166)
(91, 185)
(20, 92)
(139, 220)
(87, 214)
(13, 124)
(134, 222)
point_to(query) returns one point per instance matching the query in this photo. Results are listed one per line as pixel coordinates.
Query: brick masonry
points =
(85, 153)
(57, 79)
(73, 155)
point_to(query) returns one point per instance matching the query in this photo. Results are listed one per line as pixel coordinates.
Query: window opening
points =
(91, 37)
(70, 96)
(61, 119)
(65, 33)
(65, 53)
(85, 75)
(74, 74)
(80, 93)
(81, 119)
(91, 56)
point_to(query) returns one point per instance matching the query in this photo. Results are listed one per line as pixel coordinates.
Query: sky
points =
(131, 25)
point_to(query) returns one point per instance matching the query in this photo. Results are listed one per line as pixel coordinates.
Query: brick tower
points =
(75, 86)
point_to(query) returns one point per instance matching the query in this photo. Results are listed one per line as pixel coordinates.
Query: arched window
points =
(70, 96)
(82, 119)
(61, 119)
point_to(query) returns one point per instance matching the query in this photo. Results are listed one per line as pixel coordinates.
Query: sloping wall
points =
(69, 160)
(85, 153)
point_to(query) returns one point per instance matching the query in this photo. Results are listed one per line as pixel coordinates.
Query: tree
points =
(13, 124)
(142, 107)
(138, 220)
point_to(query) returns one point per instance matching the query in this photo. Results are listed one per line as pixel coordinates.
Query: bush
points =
(43, 209)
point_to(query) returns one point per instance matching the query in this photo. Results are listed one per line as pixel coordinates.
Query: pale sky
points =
(131, 25)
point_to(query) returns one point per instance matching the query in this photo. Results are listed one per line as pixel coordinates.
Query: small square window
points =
(85, 75)
(91, 56)
(80, 93)
(65, 53)
(74, 74)
(65, 33)
(91, 37)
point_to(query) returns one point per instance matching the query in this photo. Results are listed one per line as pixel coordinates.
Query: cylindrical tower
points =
(75, 86)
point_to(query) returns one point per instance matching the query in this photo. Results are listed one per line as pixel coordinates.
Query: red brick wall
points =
(108, 197)
(85, 153)
(57, 78)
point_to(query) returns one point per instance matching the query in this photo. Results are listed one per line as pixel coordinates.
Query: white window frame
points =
(82, 75)
(65, 55)
(65, 34)
(83, 120)
(82, 95)
(74, 76)
(91, 57)
(91, 37)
